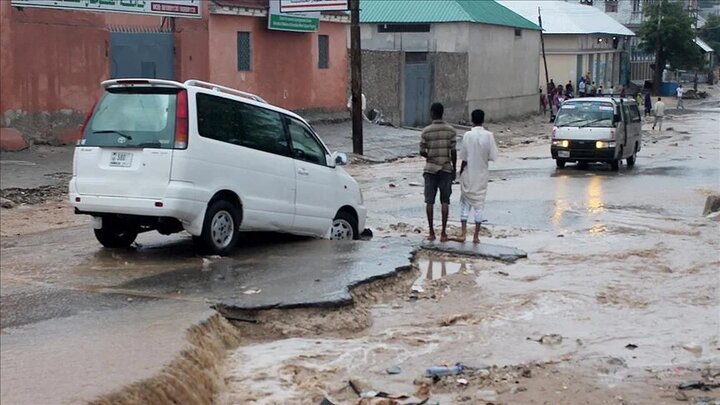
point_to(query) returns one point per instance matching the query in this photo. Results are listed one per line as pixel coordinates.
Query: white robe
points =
(477, 149)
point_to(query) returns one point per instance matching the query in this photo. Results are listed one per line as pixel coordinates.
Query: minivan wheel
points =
(115, 235)
(220, 231)
(344, 227)
(560, 163)
(631, 159)
(615, 165)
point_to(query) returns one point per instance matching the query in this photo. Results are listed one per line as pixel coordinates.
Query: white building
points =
(579, 39)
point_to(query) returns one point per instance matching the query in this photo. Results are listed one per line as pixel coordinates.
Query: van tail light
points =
(612, 134)
(85, 123)
(181, 120)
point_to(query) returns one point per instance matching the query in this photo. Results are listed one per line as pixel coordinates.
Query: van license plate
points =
(564, 153)
(121, 159)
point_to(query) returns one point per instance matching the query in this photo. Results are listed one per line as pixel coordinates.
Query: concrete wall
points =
(450, 84)
(503, 68)
(382, 82)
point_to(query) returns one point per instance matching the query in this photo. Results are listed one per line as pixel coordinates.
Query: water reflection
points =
(594, 196)
(433, 269)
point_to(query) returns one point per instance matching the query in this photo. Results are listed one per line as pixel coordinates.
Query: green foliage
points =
(675, 32)
(710, 33)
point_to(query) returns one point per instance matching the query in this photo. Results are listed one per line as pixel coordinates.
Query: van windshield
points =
(133, 118)
(585, 114)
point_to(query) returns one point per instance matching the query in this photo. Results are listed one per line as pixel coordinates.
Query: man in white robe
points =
(476, 151)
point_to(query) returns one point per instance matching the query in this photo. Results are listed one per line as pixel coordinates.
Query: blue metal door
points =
(141, 54)
(418, 88)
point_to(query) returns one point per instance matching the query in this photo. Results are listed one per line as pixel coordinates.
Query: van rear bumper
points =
(186, 211)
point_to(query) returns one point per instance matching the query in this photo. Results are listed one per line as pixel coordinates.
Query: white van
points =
(597, 129)
(210, 160)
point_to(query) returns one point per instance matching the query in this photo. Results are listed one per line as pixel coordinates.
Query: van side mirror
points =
(339, 158)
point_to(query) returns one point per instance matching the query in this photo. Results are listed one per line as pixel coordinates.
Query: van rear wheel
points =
(114, 234)
(220, 231)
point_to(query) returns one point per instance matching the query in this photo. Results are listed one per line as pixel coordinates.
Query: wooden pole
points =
(542, 43)
(356, 80)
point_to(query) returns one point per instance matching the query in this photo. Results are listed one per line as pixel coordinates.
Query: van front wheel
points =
(115, 235)
(221, 226)
(560, 163)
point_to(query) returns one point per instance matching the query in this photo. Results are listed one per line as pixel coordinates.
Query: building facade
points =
(462, 56)
(53, 61)
(579, 41)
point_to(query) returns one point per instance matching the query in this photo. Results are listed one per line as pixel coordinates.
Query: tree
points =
(710, 33)
(667, 31)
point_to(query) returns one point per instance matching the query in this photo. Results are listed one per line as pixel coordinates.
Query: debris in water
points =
(129, 300)
(252, 291)
(417, 289)
(415, 184)
(392, 185)
(393, 370)
(551, 339)
(631, 346)
(502, 273)
(462, 381)
(440, 371)
(693, 348)
(697, 385)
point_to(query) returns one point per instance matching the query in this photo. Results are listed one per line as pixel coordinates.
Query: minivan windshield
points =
(585, 114)
(133, 118)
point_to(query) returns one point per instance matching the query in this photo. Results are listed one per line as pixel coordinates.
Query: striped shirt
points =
(436, 144)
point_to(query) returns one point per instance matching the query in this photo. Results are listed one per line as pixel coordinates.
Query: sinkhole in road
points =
(196, 375)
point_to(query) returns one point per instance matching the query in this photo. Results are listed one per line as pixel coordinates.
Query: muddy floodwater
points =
(617, 300)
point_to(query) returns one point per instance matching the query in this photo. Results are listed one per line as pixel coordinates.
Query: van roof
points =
(204, 87)
(612, 99)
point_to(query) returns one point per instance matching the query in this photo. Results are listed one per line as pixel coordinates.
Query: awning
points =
(703, 45)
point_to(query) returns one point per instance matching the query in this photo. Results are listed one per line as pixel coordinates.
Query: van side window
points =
(241, 124)
(263, 130)
(626, 113)
(634, 113)
(305, 146)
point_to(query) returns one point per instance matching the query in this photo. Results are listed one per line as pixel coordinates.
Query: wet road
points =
(70, 310)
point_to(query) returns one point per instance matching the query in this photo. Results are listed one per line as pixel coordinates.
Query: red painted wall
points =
(52, 62)
(284, 67)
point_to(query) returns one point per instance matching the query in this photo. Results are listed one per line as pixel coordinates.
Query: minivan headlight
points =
(604, 144)
(561, 143)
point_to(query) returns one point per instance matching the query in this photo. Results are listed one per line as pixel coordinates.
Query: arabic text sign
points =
(293, 6)
(168, 8)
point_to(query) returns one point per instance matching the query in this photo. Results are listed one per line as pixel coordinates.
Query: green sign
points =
(292, 23)
(297, 22)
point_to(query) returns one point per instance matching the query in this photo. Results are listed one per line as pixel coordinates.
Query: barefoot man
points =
(437, 145)
(477, 149)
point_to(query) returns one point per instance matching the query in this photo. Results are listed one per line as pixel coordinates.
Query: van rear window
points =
(133, 118)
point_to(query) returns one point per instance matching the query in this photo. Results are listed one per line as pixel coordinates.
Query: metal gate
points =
(418, 89)
(141, 54)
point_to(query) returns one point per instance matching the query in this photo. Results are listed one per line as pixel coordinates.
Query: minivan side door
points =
(317, 183)
(244, 148)
(635, 126)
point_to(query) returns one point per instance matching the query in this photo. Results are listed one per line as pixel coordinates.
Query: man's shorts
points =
(438, 181)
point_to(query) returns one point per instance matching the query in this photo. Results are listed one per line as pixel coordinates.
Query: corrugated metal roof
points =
(560, 17)
(703, 45)
(440, 11)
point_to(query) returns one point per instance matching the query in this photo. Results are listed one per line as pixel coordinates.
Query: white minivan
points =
(210, 160)
(597, 129)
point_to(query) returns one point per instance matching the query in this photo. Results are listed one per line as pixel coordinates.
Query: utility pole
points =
(658, 73)
(356, 81)
(542, 43)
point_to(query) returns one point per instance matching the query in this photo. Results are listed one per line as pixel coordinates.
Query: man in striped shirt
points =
(437, 145)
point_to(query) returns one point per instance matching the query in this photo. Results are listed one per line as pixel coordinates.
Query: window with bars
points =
(611, 6)
(323, 51)
(244, 51)
(636, 6)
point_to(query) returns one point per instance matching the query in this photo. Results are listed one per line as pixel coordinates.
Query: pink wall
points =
(284, 64)
(52, 62)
